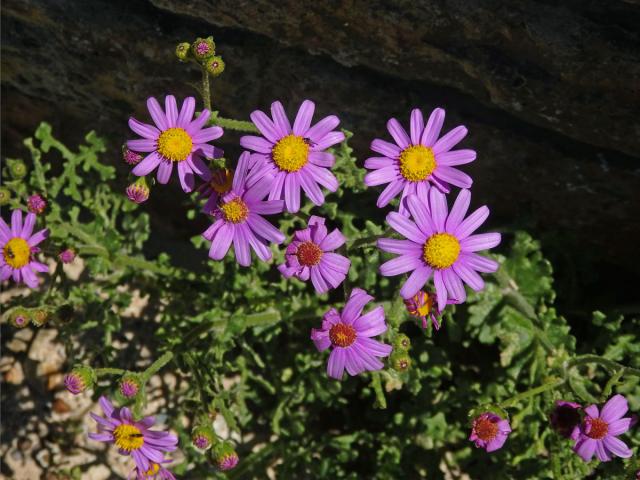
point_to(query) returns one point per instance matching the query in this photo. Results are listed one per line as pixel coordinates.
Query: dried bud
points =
(130, 157)
(225, 456)
(215, 66)
(182, 51)
(202, 437)
(79, 379)
(402, 343)
(36, 204)
(20, 317)
(5, 196)
(203, 48)
(40, 317)
(68, 255)
(138, 192)
(400, 361)
(17, 169)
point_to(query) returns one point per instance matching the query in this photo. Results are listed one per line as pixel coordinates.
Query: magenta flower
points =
(350, 335)
(68, 255)
(175, 138)
(424, 304)
(156, 471)
(295, 155)
(36, 204)
(439, 243)
(599, 431)
(489, 431)
(565, 417)
(310, 255)
(132, 437)
(239, 218)
(417, 160)
(131, 157)
(18, 246)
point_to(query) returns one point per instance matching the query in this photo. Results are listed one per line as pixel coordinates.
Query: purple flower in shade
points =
(239, 218)
(156, 471)
(132, 437)
(130, 157)
(219, 184)
(68, 255)
(565, 417)
(599, 431)
(36, 204)
(424, 304)
(310, 255)
(418, 159)
(439, 243)
(18, 246)
(489, 431)
(73, 383)
(295, 155)
(350, 335)
(175, 138)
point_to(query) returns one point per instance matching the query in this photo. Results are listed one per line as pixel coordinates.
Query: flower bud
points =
(20, 317)
(402, 343)
(17, 169)
(225, 456)
(215, 66)
(130, 157)
(182, 51)
(40, 317)
(202, 437)
(79, 379)
(203, 48)
(129, 385)
(68, 255)
(138, 192)
(400, 361)
(36, 204)
(5, 196)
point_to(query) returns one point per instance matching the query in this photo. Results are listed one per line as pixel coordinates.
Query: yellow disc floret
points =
(441, 250)
(16, 252)
(175, 144)
(128, 437)
(222, 180)
(417, 162)
(235, 211)
(154, 468)
(291, 153)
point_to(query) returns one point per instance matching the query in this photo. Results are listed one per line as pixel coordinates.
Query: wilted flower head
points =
(130, 157)
(424, 304)
(36, 204)
(489, 431)
(349, 334)
(225, 456)
(79, 379)
(565, 417)
(132, 437)
(40, 316)
(156, 471)
(599, 431)
(18, 245)
(220, 183)
(311, 256)
(296, 155)
(68, 255)
(129, 386)
(138, 192)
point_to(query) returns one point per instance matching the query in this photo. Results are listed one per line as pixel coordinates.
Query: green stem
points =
(610, 365)
(230, 124)
(369, 240)
(206, 91)
(606, 392)
(109, 371)
(156, 366)
(381, 401)
(533, 392)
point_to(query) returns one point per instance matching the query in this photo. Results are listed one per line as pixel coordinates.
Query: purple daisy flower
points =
(132, 437)
(295, 155)
(175, 138)
(599, 431)
(156, 471)
(565, 417)
(489, 431)
(18, 246)
(424, 304)
(239, 218)
(310, 255)
(350, 335)
(417, 160)
(439, 243)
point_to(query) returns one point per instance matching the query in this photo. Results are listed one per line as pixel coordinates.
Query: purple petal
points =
(371, 324)
(438, 206)
(106, 405)
(241, 246)
(393, 245)
(329, 140)
(101, 437)
(164, 171)
(335, 366)
(312, 189)
(263, 228)
(458, 211)
(221, 242)
(5, 231)
(292, 193)
(453, 176)
(432, 130)
(374, 347)
(280, 120)
(29, 277)
(318, 132)
(374, 163)
(482, 241)
(277, 186)
(318, 282)
(592, 411)
(199, 167)
(29, 223)
(415, 281)
(585, 448)
(199, 122)
(303, 118)
(16, 223)
(456, 157)
(257, 144)
(332, 241)
(5, 272)
(479, 263)
(241, 172)
(617, 447)
(270, 207)
(320, 339)
(142, 145)
(471, 223)
(441, 289)
(405, 227)
(615, 407)
(323, 176)
(601, 452)
(147, 165)
(401, 264)
(157, 114)
(385, 148)
(417, 126)
(390, 192)
(381, 176)
(143, 129)
(185, 175)
(420, 214)
(186, 112)
(207, 134)
(262, 251)
(496, 443)
(450, 140)
(454, 286)
(171, 109)
(265, 125)
(398, 133)
(470, 277)
(322, 159)
(618, 427)
(353, 308)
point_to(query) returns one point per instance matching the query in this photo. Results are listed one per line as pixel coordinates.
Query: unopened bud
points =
(202, 437)
(79, 379)
(5, 196)
(138, 192)
(203, 48)
(17, 169)
(215, 66)
(182, 51)
(402, 342)
(400, 361)
(225, 456)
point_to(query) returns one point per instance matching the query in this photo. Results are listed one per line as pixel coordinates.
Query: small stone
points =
(60, 406)
(15, 375)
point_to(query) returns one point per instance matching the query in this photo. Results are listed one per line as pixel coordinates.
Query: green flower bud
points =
(215, 66)
(402, 343)
(40, 317)
(400, 361)
(20, 317)
(17, 169)
(182, 51)
(225, 456)
(79, 379)
(202, 437)
(5, 196)
(203, 48)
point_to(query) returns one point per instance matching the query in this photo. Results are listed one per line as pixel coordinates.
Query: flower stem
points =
(230, 124)
(610, 365)
(206, 90)
(157, 365)
(381, 401)
(109, 371)
(532, 392)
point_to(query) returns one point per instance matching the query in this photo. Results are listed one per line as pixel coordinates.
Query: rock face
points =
(549, 93)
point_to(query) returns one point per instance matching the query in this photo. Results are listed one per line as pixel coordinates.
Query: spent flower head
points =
(36, 204)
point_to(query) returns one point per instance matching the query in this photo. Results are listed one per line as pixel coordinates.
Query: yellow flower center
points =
(235, 211)
(175, 144)
(425, 308)
(441, 250)
(222, 180)
(16, 252)
(128, 437)
(291, 153)
(417, 162)
(154, 468)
